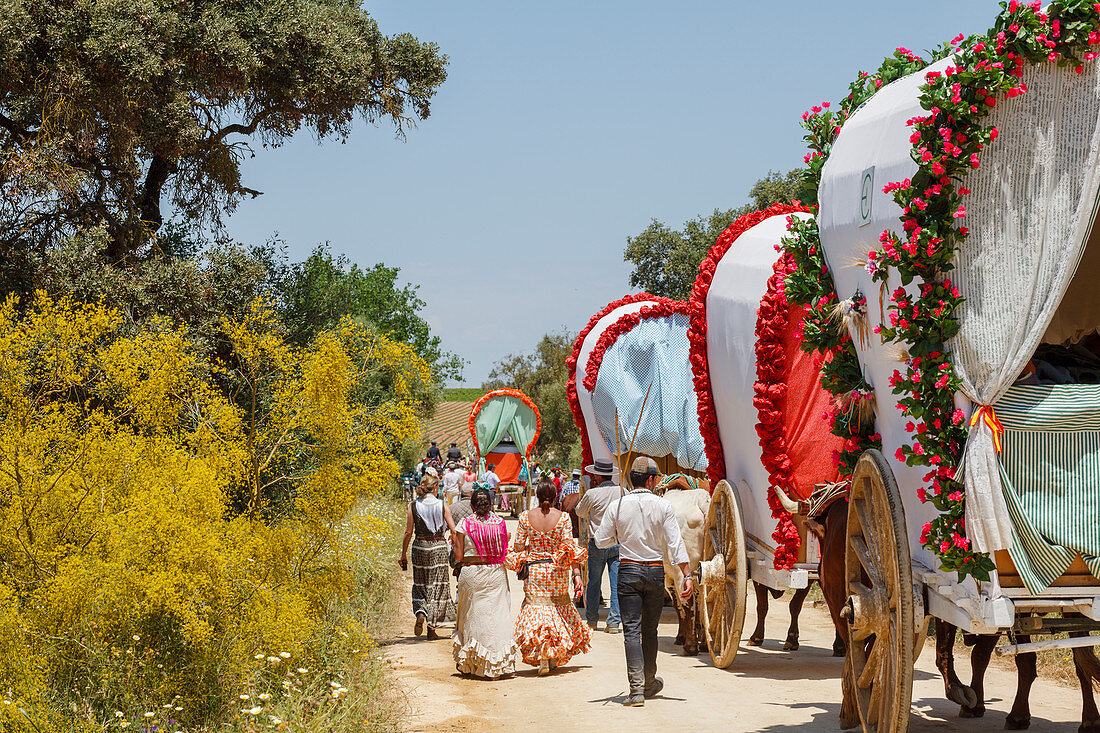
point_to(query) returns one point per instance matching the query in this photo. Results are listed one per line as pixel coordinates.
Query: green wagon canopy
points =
(501, 414)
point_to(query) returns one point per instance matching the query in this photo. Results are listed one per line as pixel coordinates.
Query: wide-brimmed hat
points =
(601, 467)
(576, 472)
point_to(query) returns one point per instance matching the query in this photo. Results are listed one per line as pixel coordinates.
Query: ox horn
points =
(790, 506)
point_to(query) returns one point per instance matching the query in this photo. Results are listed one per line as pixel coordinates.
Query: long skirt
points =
(431, 591)
(549, 627)
(483, 642)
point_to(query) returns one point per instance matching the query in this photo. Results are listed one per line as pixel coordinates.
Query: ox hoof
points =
(839, 647)
(1089, 726)
(791, 644)
(978, 711)
(1013, 722)
(691, 650)
(963, 696)
(756, 640)
(679, 640)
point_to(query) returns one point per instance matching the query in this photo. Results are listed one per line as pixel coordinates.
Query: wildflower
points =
(255, 711)
(149, 715)
(118, 713)
(124, 724)
(243, 696)
(284, 655)
(302, 670)
(136, 637)
(265, 696)
(259, 656)
(273, 660)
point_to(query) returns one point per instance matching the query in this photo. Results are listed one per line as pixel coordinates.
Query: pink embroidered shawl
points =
(489, 536)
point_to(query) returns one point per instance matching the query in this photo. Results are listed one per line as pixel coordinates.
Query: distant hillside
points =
(462, 394)
(451, 424)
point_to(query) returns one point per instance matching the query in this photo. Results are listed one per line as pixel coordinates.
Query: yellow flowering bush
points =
(167, 520)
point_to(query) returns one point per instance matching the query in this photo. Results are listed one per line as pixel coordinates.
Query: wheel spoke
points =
(870, 564)
(870, 669)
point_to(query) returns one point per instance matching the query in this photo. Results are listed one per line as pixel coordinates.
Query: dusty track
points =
(766, 689)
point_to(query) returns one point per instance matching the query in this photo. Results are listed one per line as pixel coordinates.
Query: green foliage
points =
(317, 293)
(542, 376)
(666, 261)
(112, 109)
(128, 581)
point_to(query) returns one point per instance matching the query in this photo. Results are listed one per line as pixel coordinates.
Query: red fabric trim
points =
(697, 332)
(771, 403)
(662, 307)
(571, 363)
(506, 392)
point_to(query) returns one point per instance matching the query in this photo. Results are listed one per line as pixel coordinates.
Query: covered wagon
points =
(631, 393)
(504, 426)
(766, 423)
(959, 204)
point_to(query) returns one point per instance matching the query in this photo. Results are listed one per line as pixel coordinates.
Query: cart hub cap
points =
(868, 612)
(713, 570)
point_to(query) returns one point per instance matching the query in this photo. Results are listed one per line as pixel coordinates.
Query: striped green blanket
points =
(1050, 468)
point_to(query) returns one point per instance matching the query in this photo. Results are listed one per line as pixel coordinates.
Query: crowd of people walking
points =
(631, 533)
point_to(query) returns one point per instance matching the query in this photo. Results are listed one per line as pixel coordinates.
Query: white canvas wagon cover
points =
(1030, 213)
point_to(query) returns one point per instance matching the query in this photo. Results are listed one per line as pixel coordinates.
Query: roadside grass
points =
(348, 688)
(351, 691)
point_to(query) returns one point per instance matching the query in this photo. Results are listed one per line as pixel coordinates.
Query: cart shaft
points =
(1036, 646)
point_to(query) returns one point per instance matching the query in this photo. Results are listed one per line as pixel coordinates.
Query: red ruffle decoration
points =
(770, 403)
(571, 364)
(697, 332)
(506, 392)
(662, 307)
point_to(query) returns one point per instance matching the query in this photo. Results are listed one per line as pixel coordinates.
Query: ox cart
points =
(982, 509)
(631, 396)
(504, 426)
(760, 405)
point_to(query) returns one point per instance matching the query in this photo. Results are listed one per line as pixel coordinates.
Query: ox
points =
(690, 505)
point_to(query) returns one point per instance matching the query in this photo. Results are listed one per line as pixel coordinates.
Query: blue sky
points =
(562, 129)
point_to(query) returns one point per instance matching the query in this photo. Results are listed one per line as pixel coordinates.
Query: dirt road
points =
(766, 689)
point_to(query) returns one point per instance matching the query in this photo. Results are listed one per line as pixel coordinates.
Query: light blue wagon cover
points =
(652, 352)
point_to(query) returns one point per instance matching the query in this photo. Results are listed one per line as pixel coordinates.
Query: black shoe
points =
(655, 688)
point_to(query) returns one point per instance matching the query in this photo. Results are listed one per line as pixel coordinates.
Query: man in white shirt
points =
(591, 509)
(643, 524)
(452, 483)
(491, 479)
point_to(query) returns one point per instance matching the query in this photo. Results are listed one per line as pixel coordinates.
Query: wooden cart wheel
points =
(724, 575)
(879, 582)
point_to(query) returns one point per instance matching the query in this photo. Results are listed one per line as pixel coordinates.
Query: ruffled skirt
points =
(483, 643)
(551, 629)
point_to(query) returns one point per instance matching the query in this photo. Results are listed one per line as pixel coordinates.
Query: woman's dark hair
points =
(546, 494)
(481, 502)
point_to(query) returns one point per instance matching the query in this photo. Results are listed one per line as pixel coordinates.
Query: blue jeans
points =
(597, 559)
(642, 596)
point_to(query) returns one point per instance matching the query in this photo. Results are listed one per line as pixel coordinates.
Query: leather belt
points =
(646, 563)
(431, 536)
(478, 561)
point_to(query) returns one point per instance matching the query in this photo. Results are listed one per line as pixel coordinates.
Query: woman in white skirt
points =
(483, 643)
